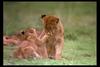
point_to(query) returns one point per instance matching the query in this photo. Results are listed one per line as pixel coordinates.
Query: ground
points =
(79, 21)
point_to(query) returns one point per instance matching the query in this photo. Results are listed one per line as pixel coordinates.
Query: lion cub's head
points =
(50, 22)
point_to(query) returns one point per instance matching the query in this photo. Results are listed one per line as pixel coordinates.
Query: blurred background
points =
(78, 18)
(19, 15)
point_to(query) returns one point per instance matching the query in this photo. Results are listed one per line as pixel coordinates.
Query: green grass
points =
(79, 20)
(78, 52)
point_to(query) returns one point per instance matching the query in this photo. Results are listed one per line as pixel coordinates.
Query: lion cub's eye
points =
(7, 37)
(31, 31)
(52, 20)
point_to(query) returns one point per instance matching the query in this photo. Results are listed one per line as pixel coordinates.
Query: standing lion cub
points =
(53, 28)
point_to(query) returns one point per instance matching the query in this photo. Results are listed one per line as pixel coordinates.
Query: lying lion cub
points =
(31, 47)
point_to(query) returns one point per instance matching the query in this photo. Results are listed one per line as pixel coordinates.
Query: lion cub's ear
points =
(42, 16)
(57, 20)
(22, 32)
